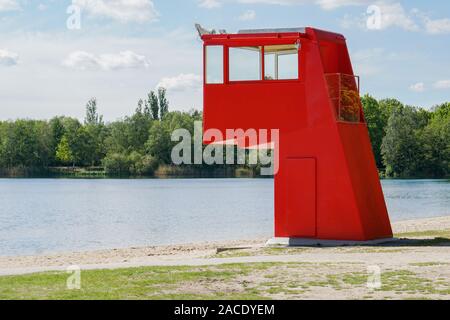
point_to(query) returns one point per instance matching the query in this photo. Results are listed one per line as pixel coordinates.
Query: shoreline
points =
(201, 253)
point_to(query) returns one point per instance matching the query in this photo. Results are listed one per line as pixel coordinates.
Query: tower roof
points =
(275, 30)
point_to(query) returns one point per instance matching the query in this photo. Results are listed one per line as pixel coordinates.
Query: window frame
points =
(205, 64)
(262, 63)
(277, 64)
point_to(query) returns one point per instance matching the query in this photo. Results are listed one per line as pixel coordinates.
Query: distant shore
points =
(163, 171)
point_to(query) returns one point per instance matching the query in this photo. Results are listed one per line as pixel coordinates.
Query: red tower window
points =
(214, 64)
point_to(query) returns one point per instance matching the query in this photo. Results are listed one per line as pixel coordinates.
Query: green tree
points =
(57, 132)
(400, 148)
(435, 143)
(84, 147)
(117, 139)
(80, 142)
(94, 135)
(376, 122)
(159, 143)
(64, 152)
(154, 105)
(387, 106)
(92, 116)
(137, 130)
(20, 145)
(45, 145)
(163, 103)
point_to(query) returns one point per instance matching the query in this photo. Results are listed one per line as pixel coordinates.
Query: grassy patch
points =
(409, 282)
(426, 238)
(134, 283)
(428, 264)
(234, 254)
(269, 251)
(426, 234)
(246, 281)
(402, 282)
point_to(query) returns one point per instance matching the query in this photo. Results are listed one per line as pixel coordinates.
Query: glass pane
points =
(245, 63)
(214, 64)
(281, 62)
(269, 66)
(288, 66)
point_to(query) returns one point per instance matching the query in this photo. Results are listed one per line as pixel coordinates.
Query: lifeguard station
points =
(301, 82)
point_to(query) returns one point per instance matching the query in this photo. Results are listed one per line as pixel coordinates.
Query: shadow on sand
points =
(410, 242)
(383, 243)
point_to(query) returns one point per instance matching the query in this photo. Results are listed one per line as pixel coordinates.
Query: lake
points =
(55, 215)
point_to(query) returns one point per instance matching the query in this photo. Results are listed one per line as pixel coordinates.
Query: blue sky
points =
(123, 49)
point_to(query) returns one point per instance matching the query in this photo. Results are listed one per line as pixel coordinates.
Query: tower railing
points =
(343, 90)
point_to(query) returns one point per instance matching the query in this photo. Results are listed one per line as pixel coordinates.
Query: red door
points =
(301, 194)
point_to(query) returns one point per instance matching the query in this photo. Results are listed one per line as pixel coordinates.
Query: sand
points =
(206, 254)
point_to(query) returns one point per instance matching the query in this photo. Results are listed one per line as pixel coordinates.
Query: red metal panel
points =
(301, 198)
(365, 181)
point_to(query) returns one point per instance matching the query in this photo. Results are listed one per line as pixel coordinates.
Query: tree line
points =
(407, 141)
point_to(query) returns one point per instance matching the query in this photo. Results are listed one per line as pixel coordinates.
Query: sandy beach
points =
(416, 265)
(247, 251)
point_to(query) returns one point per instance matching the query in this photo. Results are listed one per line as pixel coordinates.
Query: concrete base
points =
(300, 242)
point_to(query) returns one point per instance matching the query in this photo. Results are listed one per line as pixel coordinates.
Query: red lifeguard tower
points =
(301, 82)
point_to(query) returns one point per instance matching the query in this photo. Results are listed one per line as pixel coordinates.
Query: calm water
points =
(54, 215)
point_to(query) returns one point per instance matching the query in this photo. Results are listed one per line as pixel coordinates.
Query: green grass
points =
(400, 282)
(428, 264)
(246, 281)
(407, 282)
(268, 251)
(135, 283)
(433, 238)
(427, 234)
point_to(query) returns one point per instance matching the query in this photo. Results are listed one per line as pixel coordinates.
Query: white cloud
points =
(8, 58)
(439, 26)
(181, 82)
(9, 5)
(333, 4)
(248, 15)
(209, 4)
(83, 60)
(42, 7)
(121, 10)
(390, 15)
(53, 89)
(350, 21)
(442, 84)
(394, 15)
(325, 4)
(417, 87)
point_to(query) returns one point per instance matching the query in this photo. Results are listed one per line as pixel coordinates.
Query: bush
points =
(134, 164)
(117, 163)
(141, 165)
